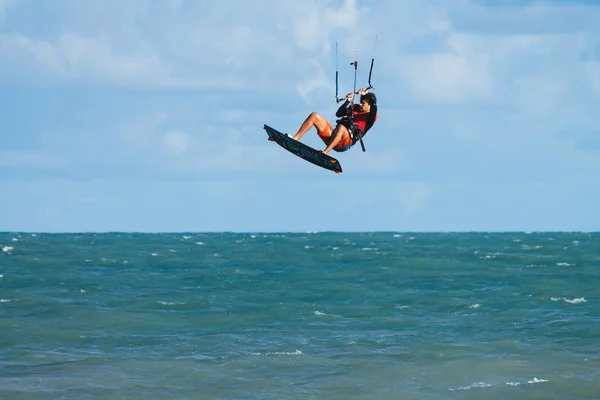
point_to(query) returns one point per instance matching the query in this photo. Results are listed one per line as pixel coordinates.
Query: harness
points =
(354, 130)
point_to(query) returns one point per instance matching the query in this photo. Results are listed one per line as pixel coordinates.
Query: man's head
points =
(368, 102)
(369, 98)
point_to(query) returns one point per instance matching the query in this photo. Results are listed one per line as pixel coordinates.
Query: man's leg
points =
(339, 133)
(314, 119)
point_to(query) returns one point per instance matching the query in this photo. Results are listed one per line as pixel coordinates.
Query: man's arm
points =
(342, 111)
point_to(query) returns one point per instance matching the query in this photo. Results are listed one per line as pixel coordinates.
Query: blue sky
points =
(145, 115)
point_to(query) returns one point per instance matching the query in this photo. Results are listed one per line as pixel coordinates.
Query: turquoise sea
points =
(300, 316)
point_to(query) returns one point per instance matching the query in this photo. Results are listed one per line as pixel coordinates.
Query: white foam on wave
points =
(574, 301)
(154, 254)
(172, 303)
(473, 385)
(196, 357)
(490, 256)
(536, 380)
(200, 243)
(187, 237)
(319, 313)
(1, 276)
(485, 385)
(279, 353)
(563, 264)
(475, 306)
(7, 249)
(15, 239)
(172, 251)
(369, 249)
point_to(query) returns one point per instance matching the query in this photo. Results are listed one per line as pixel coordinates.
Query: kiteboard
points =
(303, 151)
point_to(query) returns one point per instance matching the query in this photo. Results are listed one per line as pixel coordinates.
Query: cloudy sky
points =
(143, 115)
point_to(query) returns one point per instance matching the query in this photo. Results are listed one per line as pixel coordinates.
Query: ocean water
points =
(300, 316)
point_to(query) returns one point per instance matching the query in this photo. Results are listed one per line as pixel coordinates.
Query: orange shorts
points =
(343, 145)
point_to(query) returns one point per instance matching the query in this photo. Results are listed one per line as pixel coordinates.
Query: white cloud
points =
(200, 148)
(183, 45)
(542, 76)
(318, 81)
(313, 25)
(138, 133)
(176, 142)
(462, 72)
(5, 5)
(538, 18)
(117, 52)
(80, 59)
(532, 69)
(538, 96)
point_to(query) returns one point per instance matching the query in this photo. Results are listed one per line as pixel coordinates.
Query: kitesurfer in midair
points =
(354, 122)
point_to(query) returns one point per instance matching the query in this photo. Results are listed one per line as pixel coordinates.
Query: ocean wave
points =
(279, 353)
(573, 301)
(486, 385)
